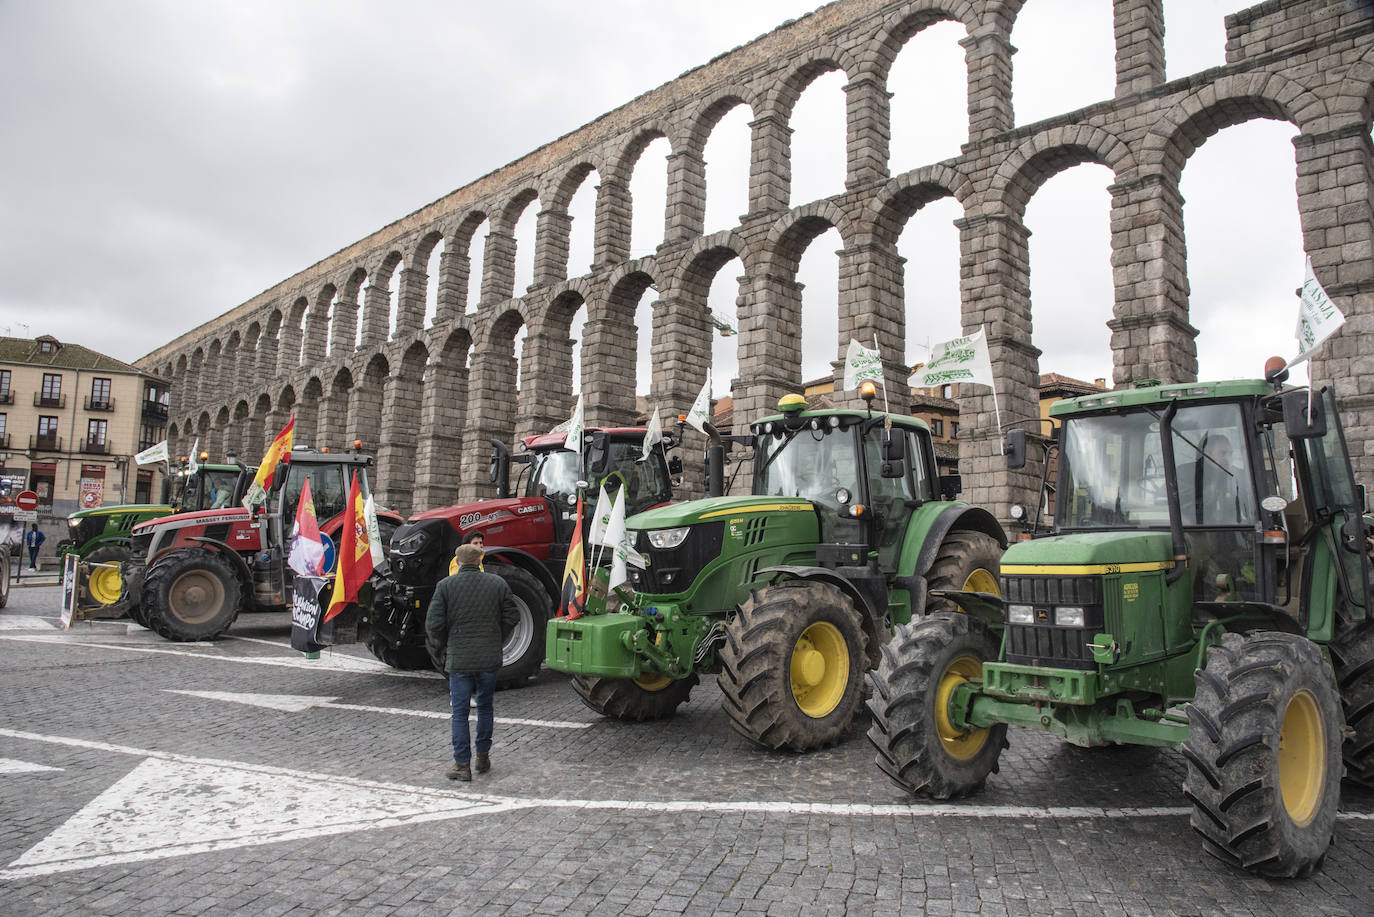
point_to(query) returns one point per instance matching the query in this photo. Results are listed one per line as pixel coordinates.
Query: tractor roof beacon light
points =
(204, 456)
(868, 390)
(1276, 371)
(791, 407)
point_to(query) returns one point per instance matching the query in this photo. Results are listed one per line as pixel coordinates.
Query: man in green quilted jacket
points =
(468, 617)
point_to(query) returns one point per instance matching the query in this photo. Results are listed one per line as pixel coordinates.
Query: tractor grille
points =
(1045, 643)
(754, 529)
(673, 570)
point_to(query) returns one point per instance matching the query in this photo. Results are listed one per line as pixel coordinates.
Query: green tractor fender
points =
(929, 527)
(868, 594)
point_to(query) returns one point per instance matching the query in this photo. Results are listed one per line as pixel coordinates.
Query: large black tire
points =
(792, 666)
(104, 583)
(966, 562)
(918, 747)
(1264, 754)
(4, 578)
(523, 651)
(1352, 656)
(192, 594)
(406, 658)
(634, 699)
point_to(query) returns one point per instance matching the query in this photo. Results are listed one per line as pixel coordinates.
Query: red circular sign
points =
(27, 499)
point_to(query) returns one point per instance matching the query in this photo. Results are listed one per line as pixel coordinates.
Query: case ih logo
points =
(526, 510)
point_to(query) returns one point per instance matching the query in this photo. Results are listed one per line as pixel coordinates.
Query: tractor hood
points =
(714, 509)
(118, 509)
(1126, 550)
(203, 517)
(486, 513)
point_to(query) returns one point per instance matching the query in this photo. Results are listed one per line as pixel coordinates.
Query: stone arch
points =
(332, 428)
(638, 142)
(402, 396)
(365, 403)
(1354, 99)
(292, 334)
(803, 71)
(443, 416)
(793, 232)
(315, 338)
(1041, 157)
(708, 113)
(880, 53)
(239, 436)
(610, 342)
(257, 428)
(308, 413)
(903, 196)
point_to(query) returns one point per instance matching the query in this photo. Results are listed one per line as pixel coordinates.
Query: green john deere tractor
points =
(786, 594)
(1205, 587)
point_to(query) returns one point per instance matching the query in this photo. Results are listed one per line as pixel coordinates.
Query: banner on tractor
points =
(193, 458)
(861, 363)
(576, 427)
(962, 359)
(262, 482)
(1318, 317)
(305, 614)
(700, 414)
(153, 454)
(653, 435)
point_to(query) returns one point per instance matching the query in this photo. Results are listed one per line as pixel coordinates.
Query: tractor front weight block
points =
(593, 645)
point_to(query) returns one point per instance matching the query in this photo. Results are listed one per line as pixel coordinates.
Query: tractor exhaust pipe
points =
(715, 462)
(1166, 431)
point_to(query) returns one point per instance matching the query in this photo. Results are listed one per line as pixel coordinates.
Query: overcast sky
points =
(166, 161)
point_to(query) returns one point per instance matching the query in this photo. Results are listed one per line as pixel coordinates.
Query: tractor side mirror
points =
(675, 466)
(1015, 449)
(894, 456)
(951, 485)
(598, 456)
(1298, 420)
(499, 471)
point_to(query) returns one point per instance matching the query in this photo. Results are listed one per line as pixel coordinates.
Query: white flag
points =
(861, 363)
(653, 435)
(193, 460)
(575, 428)
(614, 532)
(152, 454)
(963, 359)
(1318, 317)
(700, 414)
(374, 531)
(601, 515)
(620, 538)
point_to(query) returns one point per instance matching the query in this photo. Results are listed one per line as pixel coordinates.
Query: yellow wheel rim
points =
(1302, 756)
(819, 669)
(957, 743)
(653, 682)
(982, 580)
(105, 584)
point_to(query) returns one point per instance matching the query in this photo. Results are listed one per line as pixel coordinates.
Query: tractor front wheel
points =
(192, 594)
(635, 700)
(1264, 754)
(107, 582)
(522, 652)
(792, 665)
(920, 747)
(1352, 655)
(966, 562)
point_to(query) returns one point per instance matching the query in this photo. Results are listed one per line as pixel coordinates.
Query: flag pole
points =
(887, 408)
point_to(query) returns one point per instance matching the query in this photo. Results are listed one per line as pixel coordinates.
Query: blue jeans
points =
(462, 686)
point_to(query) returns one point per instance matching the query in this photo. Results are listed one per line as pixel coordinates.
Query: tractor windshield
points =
(207, 489)
(820, 466)
(1112, 475)
(556, 473)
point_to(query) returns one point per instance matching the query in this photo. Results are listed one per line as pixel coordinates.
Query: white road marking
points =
(11, 766)
(26, 622)
(332, 662)
(295, 703)
(172, 805)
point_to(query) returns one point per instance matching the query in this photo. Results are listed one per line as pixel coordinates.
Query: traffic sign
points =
(26, 499)
(26, 515)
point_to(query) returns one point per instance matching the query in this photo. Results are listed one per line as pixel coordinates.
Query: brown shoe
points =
(459, 772)
(483, 763)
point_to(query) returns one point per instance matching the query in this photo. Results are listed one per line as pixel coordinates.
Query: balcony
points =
(93, 403)
(154, 410)
(45, 442)
(7, 397)
(95, 446)
(49, 401)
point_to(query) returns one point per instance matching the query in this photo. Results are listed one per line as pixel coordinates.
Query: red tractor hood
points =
(488, 514)
(203, 517)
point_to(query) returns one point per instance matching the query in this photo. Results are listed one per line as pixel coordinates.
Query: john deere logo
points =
(1042, 616)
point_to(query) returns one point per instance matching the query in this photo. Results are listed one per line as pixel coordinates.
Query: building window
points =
(5, 395)
(47, 426)
(954, 429)
(947, 392)
(95, 432)
(937, 427)
(100, 393)
(52, 387)
(149, 435)
(4, 437)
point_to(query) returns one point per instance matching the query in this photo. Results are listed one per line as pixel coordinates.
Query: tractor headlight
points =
(1069, 616)
(664, 539)
(1020, 614)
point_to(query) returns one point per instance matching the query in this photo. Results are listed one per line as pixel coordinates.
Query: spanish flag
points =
(573, 596)
(267, 469)
(355, 553)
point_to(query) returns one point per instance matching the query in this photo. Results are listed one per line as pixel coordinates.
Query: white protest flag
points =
(963, 359)
(601, 515)
(374, 531)
(619, 538)
(153, 454)
(861, 363)
(575, 429)
(653, 435)
(700, 414)
(193, 460)
(1318, 317)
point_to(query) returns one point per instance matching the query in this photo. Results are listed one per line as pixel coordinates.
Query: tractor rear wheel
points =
(792, 665)
(522, 653)
(106, 583)
(1264, 754)
(966, 562)
(919, 747)
(635, 700)
(192, 594)
(1352, 656)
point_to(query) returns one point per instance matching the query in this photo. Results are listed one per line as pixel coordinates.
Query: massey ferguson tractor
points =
(1205, 587)
(196, 571)
(526, 532)
(787, 594)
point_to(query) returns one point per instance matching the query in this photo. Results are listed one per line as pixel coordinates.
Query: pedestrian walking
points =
(34, 539)
(469, 616)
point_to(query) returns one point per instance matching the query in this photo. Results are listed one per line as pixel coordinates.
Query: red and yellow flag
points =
(267, 469)
(573, 596)
(355, 553)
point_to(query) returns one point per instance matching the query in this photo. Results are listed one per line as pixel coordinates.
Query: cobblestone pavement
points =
(139, 776)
